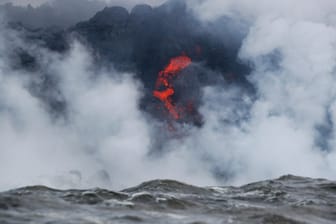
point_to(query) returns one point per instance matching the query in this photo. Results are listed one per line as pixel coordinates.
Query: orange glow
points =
(163, 95)
(164, 82)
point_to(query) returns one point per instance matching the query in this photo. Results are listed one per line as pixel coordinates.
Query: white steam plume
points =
(105, 139)
(292, 46)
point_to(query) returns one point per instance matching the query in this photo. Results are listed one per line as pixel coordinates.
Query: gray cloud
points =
(61, 13)
(24, 2)
(104, 140)
(128, 3)
(303, 10)
(295, 92)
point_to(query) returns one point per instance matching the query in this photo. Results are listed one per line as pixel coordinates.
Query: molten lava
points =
(164, 89)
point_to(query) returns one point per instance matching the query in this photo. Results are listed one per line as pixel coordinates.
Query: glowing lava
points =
(164, 89)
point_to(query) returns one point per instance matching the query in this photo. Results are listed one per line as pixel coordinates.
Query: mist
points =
(290, 128)
(105, 139)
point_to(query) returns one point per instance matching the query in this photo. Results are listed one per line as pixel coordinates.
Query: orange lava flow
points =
(164, 82)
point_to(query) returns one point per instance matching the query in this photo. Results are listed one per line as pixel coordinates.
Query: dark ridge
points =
(32, 189)
(144, 40)
(290, 177)
(141, 10)
(111, 16)
(290, 180)
(92, 196)
(167, 186)
(60, 13)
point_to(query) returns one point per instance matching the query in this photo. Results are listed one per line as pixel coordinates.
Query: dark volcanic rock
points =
(167, 186)
(60, 13)
(146, 39)
(141, 10)
(111, 16)
(142, 42)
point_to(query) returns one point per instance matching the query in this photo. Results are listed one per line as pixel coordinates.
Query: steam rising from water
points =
(105, 140)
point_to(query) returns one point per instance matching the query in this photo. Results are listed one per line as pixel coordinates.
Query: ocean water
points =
(287, 200)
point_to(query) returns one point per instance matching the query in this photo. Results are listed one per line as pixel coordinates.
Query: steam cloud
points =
(105, 140)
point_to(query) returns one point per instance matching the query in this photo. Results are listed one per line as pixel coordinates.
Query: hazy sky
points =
(117, 2)
(24, 2)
